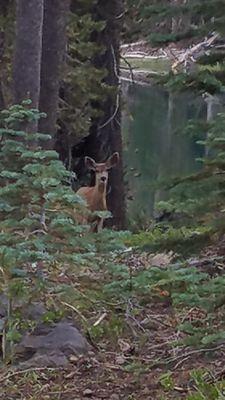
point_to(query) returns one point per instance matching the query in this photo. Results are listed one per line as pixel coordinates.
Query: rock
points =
(120, 360)
(41, 358)
(3, 305)
(35, 311)
(2, 324)
(88, 392)
(52, 345)
(63, 336)
(146, 391)
(114, 396)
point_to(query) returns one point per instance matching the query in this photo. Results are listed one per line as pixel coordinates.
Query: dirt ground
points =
(142, 357)
(144, 365)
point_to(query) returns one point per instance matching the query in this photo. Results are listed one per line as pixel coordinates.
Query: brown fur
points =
(95, 196)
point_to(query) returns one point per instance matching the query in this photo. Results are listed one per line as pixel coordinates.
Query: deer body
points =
(95, 196)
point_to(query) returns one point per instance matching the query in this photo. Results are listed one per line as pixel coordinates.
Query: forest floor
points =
(172, 50)
(142, 48)
(138, 349)
(140, 61)
(156, 369)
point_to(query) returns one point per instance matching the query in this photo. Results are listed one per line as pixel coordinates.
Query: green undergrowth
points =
(148, 64)
(107, 283)
(204, 388)
(182, 240)
(111, 284)
(44, 252)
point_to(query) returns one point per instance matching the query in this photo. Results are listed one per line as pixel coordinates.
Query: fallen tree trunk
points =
(192, 54)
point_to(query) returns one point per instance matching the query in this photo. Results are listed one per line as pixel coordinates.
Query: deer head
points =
(101, 169)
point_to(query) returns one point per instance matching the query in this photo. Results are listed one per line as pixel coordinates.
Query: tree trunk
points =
(53, 51)
(105, 133)
(214, 106)
(2, 100)
(27, 53)
(180, 23)
(4, 10)
(2, 48)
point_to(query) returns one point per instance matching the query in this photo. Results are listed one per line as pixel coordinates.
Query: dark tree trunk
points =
(105, 133)
(2, 100)
(4, 9)
(2, 48)
(27, 54)
(53, 51)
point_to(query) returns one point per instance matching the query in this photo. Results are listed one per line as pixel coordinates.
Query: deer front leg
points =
(97, 225)
(100, 224)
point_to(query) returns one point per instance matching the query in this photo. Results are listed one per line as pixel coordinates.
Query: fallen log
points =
(192, 54)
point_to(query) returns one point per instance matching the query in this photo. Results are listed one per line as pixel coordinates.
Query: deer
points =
(95, 196)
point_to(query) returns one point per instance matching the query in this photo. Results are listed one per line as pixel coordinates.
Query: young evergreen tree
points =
(38, 218)
(37, 213)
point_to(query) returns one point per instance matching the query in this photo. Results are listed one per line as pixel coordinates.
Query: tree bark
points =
(4, 10)
(214, 106)
(53, 51)
(27, 53)
(105, 133)
(2, 48)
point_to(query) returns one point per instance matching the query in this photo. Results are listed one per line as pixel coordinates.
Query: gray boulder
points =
(54, 358)
(52, 345)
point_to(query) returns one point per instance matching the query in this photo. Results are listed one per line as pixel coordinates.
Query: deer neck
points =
(100, 196)
(101, 188)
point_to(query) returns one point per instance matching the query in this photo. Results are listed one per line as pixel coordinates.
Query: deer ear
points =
(90, 163)
(113, 160)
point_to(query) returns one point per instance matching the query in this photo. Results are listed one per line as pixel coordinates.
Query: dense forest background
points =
(71, 74)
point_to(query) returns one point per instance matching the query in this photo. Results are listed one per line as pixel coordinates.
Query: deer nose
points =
(103, 178)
